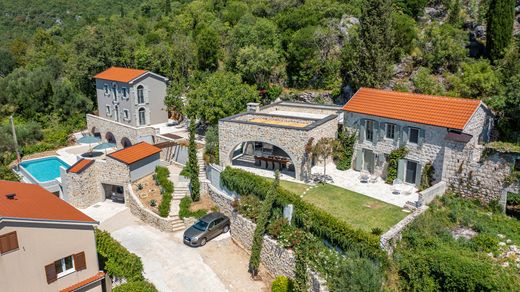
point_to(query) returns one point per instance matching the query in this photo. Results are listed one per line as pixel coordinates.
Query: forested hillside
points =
(222, 53)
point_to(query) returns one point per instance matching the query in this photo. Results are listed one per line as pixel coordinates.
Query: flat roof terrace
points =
(279, 121)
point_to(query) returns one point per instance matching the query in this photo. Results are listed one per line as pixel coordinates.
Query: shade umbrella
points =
(89, 140)
(104, 146)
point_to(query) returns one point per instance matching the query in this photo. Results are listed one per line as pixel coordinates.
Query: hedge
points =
(306, 215)
(162, 175)
(117, 261)
(185, 212)
(140, 286)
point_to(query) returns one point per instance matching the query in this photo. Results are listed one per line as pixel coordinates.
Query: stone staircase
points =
(181, 190)
(177, 222)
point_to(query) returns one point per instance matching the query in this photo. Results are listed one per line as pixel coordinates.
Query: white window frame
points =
(366, 130)
(126, 114)
(66, 272)
(410, 135)
(108, 110)
(386, 131)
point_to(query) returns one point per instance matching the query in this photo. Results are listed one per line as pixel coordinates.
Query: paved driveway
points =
(172, 266)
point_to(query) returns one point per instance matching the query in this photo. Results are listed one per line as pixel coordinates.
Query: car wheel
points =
(226, 228)
(203, 242)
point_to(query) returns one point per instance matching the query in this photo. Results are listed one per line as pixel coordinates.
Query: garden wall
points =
(276, 260)
(390, 238)
(428, 195)
(146, 215)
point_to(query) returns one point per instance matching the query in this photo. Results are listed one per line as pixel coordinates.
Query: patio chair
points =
(364, 176)
(276, 165)
(269, 165)
(263, 164)
(373, 178)
(397, 186)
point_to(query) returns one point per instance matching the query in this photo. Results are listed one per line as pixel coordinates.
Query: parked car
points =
(206, 228)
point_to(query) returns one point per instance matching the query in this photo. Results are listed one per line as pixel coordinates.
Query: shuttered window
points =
(50, 272)
(65, 266)
(8, 242)
(79, 261)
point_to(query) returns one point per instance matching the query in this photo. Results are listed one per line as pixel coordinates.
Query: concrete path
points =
(172, 266)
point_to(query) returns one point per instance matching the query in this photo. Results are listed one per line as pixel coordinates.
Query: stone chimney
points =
(253, 107)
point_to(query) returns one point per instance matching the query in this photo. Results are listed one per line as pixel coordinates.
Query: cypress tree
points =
(367, 56)
(500, 19)
(193, 165)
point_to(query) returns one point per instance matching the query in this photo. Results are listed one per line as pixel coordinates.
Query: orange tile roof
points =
(34, 202)
(80, 165)
(135, 152)
(120, 74)
(100, 275)
(448, 112)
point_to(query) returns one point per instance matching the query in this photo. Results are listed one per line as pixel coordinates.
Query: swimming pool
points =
(44, 169)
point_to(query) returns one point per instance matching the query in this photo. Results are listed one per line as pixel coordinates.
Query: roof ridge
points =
(464, 99)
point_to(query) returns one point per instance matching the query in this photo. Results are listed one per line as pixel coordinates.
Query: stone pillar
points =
(253, 107)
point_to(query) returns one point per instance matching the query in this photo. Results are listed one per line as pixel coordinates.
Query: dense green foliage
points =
(343, 155)
(138, 286)
(393, 162)
(185, 212)
(161, 176)
(429, 258)
(427, 176)
(282, 284)
(306, 215)
(501, 16)
(261, 224)
(211, 147)
(192, 166)
(116, 260)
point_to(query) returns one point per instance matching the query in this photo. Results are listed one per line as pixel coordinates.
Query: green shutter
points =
(361, 130)
(404, 138)
(376, 131)
(359, 160)
(400, 169)
(421, 137)
(382, 131)
(418, 175)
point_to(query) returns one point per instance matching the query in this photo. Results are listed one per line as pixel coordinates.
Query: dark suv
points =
(206, 228)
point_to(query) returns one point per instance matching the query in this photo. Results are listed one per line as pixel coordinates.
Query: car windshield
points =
(201, 225)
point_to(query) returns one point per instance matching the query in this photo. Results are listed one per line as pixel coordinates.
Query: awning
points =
(458, 137)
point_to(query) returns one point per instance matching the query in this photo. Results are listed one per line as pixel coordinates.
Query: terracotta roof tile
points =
(120, 74)
(96, 277)
(34, 202)
(80, 165)
(448, 112)
(135, 152)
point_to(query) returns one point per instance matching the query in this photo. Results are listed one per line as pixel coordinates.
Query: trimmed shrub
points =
(282, 284)
(162, 175)
(116, 260)
(184, 209)
(140, 286)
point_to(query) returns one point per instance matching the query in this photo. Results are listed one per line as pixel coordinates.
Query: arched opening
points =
(142, 117)
(95, 132)
(126, 142)
(262, 157)
(140, 94)
(110, 137)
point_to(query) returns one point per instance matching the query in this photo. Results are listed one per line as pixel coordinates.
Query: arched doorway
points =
(126, 142)
(142, 117)
(110, 138)
(262, 156)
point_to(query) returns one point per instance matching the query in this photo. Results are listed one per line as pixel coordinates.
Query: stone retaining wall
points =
(276, 260)
(390, 238)
(119, 130)
(428, 195)
(146, 215)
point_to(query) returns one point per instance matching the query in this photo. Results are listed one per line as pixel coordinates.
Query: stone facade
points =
(119, 131)
(390, 238)
(433, 147)
(147, 216)
(235, 130)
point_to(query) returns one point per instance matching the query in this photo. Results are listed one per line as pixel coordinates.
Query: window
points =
(140, 94)
(114, 91)
(142, 120)
(108, 110)
(106, 88)
(123, 92)
(390, 131)
(8, 242)
(414, 136)
(126, 114)
(64, 266)
(411, 172)
(369, 133)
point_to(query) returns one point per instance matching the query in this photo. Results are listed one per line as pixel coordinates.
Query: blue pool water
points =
(44, 169)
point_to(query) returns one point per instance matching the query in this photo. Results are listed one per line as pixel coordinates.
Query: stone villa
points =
(45, 243)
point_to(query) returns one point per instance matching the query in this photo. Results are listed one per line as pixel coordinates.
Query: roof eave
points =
(48, 221)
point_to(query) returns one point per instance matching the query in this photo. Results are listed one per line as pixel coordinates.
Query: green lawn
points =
(354, 208)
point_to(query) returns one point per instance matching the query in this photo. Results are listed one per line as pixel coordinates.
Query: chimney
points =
(10, 196)
(253, 107)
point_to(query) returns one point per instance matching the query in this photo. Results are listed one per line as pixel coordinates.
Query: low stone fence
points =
(428, 195)
(276, 259)
(390, 238)
(146, 215)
